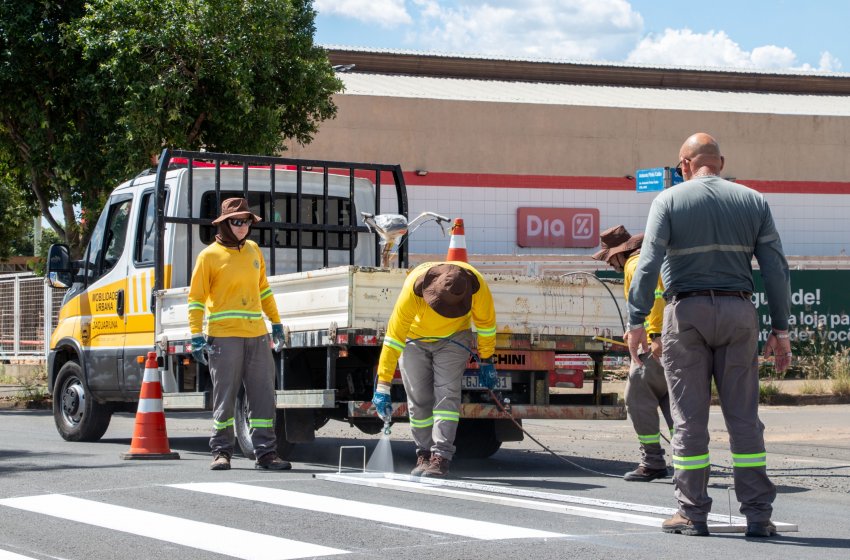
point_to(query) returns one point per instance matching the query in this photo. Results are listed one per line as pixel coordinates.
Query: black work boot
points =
(220, 462)
(437, 468)
(423, 459)
(645, 474)
(684, 526)
(760, 529)
(271, 462)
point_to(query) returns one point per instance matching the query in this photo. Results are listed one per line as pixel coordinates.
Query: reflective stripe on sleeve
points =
(266, 293)
(196, 305)
(488, 331)
(394, 344)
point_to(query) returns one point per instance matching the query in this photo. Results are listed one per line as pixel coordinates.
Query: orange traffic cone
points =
(149, 438)
(457, 243)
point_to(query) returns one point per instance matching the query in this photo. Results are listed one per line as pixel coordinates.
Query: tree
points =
(118, 80)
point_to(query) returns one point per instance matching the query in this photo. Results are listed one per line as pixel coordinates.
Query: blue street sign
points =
(650, 180)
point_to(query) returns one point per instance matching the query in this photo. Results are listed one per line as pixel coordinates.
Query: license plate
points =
(503, 382)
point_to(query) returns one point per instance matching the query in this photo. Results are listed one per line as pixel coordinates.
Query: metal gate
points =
(28, 312)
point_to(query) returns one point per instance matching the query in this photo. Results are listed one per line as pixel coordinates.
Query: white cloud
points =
(683, 47)
(386, 13)
(565, 29)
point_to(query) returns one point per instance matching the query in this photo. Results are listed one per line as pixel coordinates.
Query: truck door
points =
(139, 320)
(103, 304)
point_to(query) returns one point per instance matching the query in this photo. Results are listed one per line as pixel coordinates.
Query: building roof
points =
(500, 91)
(492, 72)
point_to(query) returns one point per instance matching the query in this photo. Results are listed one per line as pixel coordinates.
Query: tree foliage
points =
(118, 80)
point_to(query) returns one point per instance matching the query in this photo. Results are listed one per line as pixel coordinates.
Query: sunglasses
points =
(239, 223)
(679, 165)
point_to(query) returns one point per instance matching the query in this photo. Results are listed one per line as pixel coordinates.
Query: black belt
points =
(710, 293)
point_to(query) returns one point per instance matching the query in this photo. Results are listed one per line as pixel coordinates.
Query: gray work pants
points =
(646, 391)
(716, 338)
(431, 370)
(235, 362)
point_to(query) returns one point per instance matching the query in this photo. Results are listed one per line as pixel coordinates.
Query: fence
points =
(28, 312)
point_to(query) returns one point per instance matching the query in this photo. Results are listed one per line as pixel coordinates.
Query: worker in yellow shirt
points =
(229, 283)
(429, 337)
(646, 389)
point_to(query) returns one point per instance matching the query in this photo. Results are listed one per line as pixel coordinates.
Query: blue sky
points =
(757, 34)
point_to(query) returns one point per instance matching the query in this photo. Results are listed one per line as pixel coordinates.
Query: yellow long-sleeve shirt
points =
(231, 285)
(413, 318)
(655, 319)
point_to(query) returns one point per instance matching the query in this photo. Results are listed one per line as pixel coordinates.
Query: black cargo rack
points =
(216, 160)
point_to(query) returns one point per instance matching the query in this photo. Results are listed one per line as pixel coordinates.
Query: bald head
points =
(700, 155)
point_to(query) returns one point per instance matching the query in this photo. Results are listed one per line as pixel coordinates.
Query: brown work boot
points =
(220, 462)
(682, 525)
(423, 459)
(760, 529)
(645, 474)
(437, 468)
(271, 462)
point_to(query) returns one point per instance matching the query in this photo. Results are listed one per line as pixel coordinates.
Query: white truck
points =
(129, 295)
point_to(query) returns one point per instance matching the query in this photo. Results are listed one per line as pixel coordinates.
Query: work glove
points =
(199, 346)
(382, 401)
(486, 373)
(277, 337)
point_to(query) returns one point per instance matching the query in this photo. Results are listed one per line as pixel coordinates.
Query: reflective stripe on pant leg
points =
(450, 361)
(738, 387)
(642, 405)
(688, 363)
(259, 391)
(418, 378)
(226, 372)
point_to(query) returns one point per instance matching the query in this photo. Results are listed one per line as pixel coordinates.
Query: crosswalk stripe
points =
(436, 522)
(195, 534)
(6, 555)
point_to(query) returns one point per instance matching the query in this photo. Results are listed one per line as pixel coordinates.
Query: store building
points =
(538, 157)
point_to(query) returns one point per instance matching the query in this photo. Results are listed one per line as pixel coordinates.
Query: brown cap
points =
(235, 208)
(447, 289)
(617, 240)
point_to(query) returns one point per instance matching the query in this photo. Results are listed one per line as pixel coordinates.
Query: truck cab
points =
(147, 238)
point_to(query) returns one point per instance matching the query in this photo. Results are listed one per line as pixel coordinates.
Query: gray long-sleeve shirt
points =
(709, 229)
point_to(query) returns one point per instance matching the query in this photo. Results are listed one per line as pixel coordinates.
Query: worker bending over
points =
(429, 337)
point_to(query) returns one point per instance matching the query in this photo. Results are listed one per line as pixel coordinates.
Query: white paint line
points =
(418, 488)
(195, 534)
(378, 513)
(6, 555)
(435, 486)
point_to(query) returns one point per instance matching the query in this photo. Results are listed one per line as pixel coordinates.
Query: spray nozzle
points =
(387, 425)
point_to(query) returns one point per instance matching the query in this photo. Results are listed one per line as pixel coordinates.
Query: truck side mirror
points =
(59, 268)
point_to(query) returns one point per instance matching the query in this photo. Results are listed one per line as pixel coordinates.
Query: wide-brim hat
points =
(236, 208)
(447, 289)
(617, 240)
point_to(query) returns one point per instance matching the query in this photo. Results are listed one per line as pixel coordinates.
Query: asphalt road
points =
(80, 500)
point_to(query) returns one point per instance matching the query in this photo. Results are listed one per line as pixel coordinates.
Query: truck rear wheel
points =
(243, 431)
(77, 415)
(476, 438)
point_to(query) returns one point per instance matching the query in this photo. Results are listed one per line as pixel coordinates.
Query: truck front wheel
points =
(77, 415)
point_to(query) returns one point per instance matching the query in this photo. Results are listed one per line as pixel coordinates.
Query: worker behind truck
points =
(229, 283)
(646, 389)
(429, 337)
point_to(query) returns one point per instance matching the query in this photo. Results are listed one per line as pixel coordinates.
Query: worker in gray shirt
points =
(702, 235)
